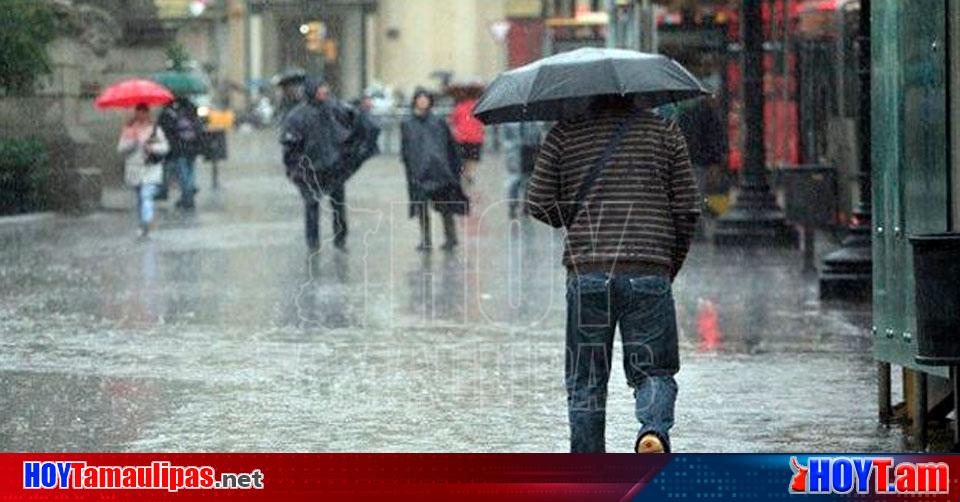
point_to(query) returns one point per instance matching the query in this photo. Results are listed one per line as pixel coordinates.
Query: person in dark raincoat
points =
(433, 166)
(315, 142)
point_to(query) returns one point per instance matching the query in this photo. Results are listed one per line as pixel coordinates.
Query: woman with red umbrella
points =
(142, 144)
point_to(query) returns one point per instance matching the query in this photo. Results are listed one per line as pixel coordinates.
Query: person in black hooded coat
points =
(432, 164)
(315, 140)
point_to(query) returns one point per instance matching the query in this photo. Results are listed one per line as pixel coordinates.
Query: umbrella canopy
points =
(290, 76)
(182, 83)
(565, 85)
(130, 93)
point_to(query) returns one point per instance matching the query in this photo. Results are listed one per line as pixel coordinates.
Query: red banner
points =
(294, 477)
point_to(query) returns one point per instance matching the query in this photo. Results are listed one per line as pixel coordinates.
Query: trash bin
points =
(936, 268)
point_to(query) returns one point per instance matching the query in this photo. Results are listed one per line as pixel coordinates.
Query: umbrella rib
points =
(616, 74)
(533, 85)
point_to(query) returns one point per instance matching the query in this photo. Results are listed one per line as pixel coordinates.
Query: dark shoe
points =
(161, 195)
(341, 246)
(424, 247)
(449, 245)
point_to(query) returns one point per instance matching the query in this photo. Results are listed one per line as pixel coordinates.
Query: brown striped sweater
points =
(641, 212)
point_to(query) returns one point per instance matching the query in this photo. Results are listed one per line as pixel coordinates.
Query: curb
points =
(25, 219)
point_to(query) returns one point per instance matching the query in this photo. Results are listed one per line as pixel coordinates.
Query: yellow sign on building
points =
(172, 9)
(522, 8)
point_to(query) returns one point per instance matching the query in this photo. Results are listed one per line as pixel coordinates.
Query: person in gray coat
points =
(521, 143)
(433, 166)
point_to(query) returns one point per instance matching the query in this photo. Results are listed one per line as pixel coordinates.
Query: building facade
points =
(411, 40)
(352, 43)
(246, 42)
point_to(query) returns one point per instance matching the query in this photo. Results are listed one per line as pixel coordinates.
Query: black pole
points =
(755, 218)
(753, 98)
(865, 207)
(847, 272)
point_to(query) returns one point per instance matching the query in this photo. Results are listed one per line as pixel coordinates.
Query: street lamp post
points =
(631, 25)
(755, 219)
(647, 22)
(847, 272)
(613, 25)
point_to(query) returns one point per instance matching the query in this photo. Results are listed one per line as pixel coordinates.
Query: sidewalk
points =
(219, 335)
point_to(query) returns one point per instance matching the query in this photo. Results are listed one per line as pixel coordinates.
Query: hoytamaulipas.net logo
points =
(158, 475)
(862, 475)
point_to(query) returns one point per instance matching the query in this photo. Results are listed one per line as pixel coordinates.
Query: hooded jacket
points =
(182, 127)
(315, 133)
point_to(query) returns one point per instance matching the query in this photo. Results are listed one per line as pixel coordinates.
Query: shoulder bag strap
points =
(153, 134)
(591, 178)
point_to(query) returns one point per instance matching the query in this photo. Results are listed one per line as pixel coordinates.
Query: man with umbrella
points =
(182, 125)
(618, 178)
(180, 122)
(316, 137)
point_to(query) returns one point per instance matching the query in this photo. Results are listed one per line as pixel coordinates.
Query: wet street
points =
(219, 334)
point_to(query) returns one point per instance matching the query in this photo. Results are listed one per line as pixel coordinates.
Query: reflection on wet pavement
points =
(222, 334)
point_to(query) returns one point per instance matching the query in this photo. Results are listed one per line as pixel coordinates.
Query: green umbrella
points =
(181, 83)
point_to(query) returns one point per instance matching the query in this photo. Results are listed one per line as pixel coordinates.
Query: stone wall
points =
(80, 139)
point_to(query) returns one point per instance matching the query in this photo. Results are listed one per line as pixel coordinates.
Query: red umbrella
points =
(130, 93)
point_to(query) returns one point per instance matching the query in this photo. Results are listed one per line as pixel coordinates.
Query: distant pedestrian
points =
(314, 138)
(521, 143)
(628, 233)
(703, 129)
(433, 167)
(182, 125)
(468, 132)
(143, 146)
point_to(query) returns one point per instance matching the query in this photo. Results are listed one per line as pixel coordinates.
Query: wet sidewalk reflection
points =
(223, 334)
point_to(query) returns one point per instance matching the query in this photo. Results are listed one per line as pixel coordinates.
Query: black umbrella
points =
(565, 85)
(292, 75)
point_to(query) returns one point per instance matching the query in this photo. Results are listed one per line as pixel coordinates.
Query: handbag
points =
(591, 178)
(152, 158)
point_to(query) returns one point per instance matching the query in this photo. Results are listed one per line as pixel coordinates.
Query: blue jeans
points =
(642, 305)
(186, 178)
(145, 194)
